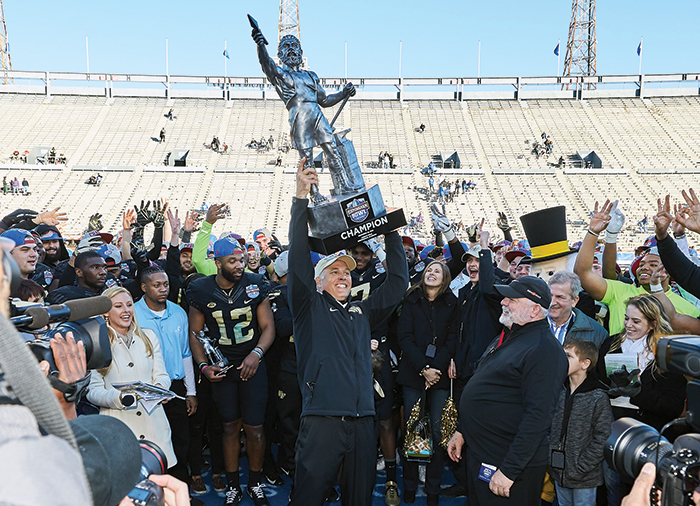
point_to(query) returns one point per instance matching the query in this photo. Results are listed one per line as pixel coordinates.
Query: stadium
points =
(98, 144)
(645, 138)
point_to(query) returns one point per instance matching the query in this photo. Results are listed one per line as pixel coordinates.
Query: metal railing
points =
(449, 88)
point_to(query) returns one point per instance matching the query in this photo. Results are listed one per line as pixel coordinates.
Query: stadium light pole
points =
(346, 60)
(87, 54)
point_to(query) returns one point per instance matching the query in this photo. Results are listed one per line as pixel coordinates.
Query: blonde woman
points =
(136, 356)
(662, 396)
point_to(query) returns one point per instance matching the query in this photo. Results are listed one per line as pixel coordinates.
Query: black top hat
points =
(546, 232)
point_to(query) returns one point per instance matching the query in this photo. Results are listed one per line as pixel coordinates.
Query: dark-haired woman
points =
(427, 331)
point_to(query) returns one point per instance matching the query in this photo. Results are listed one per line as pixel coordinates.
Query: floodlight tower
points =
(581, 46)
(289, 19)
(4, 45)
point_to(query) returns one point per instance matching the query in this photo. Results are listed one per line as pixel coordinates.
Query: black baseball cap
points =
(527, 287)
(111, 457)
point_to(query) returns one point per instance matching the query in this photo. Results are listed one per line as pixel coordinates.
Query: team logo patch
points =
(211, 305)
(261, 269)
(355, 309)
(125, 266)
(380, 268)
(253, 291)
(281, 394)
(48, 277)
(420, 266)
(110, 283)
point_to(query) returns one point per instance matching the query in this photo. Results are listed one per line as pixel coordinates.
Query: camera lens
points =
(153, 460)
(632, 444)
(92, 332)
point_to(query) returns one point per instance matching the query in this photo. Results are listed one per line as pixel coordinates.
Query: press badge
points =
(486, 472)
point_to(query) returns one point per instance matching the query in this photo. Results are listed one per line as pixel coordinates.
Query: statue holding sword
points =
(302, 94)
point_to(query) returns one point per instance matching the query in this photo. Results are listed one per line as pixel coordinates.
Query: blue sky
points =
(440, 38)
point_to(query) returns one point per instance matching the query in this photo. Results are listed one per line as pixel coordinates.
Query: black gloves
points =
(624, 383)
(18, 216)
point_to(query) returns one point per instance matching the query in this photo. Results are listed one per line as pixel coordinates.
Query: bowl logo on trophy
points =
(348, 215)
(358, 210)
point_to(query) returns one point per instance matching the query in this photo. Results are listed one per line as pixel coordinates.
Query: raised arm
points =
(678, 266)
(384, 299)
(272, 71)
(301, 273)
(590, 281)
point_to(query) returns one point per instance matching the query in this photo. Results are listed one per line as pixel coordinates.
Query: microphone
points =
(73, 310)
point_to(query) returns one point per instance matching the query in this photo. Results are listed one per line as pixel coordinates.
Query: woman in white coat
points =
(136, 356)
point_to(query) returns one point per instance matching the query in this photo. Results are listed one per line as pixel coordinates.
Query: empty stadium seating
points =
(493, 138)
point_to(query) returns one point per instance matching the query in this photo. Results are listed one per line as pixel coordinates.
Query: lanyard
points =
(500, 339)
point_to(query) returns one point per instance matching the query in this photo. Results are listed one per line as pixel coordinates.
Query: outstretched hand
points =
(600, 217)
(216, 212)
(190, 221)
(663, 218)
(689, 216)
(52, 218)
(174, 221)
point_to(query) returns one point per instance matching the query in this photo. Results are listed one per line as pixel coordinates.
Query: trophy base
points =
(341, 224)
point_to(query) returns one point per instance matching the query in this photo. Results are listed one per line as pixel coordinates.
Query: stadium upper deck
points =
(648, 146)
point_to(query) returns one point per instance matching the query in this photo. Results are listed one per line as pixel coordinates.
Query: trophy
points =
(352, 213)
(214, 355)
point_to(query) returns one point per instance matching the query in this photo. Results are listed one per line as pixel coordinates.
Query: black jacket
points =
(421, 321)
(480, 309)
(506, 407)
(662, 398)
(333, 341)
(678, 266)
(284, 328)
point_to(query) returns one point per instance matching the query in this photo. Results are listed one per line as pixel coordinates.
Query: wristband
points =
(656, 288)
(681, 236)
(202, 365)
(592, 233)
(258, 351)
(610, 237)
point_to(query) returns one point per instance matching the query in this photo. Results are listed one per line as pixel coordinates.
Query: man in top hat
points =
(506, 407)
(546, 232)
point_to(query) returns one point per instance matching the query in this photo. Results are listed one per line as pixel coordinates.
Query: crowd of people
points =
(495, 351)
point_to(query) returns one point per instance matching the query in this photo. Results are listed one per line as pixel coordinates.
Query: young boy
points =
(581, 424)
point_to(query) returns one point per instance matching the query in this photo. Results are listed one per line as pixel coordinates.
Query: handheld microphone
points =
(73, 310)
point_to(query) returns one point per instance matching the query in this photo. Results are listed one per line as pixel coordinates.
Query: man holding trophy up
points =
(332, 337)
